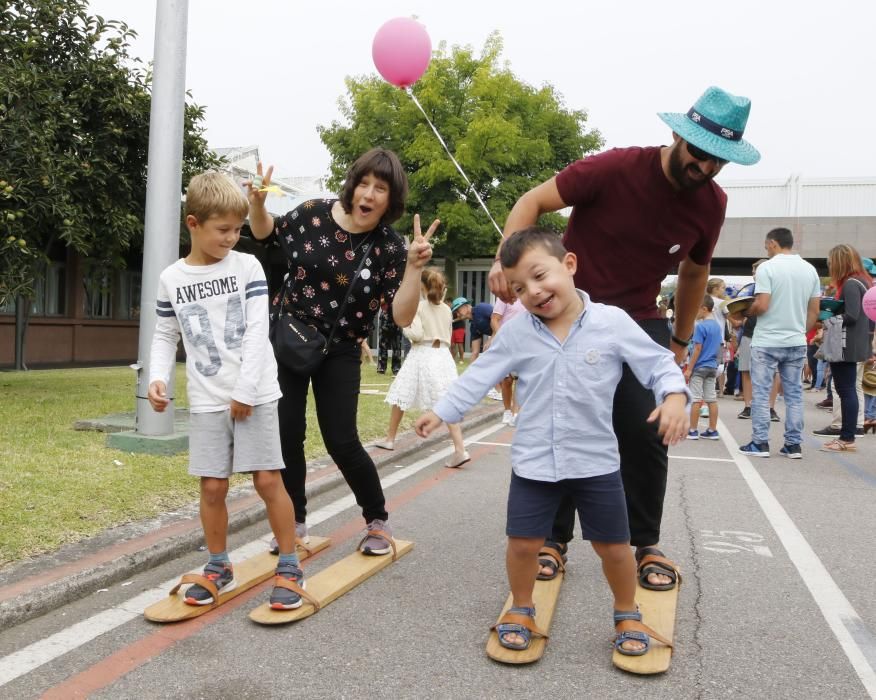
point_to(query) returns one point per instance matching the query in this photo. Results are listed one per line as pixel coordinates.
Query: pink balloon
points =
(401, 51)
(869, 303)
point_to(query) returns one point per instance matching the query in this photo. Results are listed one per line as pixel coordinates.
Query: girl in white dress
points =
(429, 369)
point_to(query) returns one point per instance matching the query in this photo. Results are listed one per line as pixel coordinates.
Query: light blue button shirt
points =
(565, 390)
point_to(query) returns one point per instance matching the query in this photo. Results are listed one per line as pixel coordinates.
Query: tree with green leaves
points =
(74, 128)
(507, 136)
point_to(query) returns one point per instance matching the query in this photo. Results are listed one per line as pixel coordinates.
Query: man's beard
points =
(678, 171)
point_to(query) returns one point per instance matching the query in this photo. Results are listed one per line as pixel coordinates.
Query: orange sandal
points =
(838, 446)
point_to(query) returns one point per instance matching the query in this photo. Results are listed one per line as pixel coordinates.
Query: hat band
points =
(714, 127)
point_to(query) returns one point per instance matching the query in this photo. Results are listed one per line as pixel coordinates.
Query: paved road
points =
(776, 600)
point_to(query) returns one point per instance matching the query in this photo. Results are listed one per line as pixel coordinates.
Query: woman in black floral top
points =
(324, 241)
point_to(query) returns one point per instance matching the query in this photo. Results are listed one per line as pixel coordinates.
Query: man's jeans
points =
(765, 362)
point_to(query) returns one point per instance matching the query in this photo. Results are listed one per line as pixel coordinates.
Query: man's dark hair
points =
(384, 165)
(782, 236)
(520, 241)
(708, 302)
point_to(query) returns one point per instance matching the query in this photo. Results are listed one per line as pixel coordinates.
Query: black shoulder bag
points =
(298, 346)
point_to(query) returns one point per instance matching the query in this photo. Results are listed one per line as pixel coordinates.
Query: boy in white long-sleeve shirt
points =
(568, 353)
(217, 299)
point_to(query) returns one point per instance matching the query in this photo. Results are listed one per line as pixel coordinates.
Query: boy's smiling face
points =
(545, 284)
(214, 238)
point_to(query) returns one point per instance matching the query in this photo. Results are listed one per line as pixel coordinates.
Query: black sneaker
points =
(774, 417)
(756, 449)
(283, 598)
(792, 451)
(745, 413)
(830, 431)
(222, 576)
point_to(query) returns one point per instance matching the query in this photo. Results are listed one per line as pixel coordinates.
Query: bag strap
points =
(348, 294)
(289, 285)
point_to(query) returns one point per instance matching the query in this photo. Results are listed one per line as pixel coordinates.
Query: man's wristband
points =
(679, 341)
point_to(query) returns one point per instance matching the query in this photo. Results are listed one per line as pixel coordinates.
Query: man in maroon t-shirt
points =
(638, 214)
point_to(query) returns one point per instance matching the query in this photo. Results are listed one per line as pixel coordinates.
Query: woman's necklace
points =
(351, 254)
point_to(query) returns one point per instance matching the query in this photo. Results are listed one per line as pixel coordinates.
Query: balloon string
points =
(458, 167)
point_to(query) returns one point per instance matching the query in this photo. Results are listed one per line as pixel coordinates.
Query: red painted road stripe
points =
(136, 544)
(136, 654)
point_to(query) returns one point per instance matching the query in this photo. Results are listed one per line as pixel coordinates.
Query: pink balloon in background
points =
(401, 51)
(868, 303)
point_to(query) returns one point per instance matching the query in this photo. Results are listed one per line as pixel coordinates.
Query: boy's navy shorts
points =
(600, 501)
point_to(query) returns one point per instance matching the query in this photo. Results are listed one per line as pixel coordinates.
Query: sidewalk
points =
(34, 587)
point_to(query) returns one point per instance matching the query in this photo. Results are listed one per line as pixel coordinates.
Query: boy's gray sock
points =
(219, 558)
(288, 559)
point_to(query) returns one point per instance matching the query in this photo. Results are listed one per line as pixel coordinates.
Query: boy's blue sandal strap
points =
(282, 582)
(635, 631)
(518, 621)
(202, 581)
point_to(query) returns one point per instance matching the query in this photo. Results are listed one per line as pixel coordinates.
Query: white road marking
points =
(703, 459)
(41, 652)
(838, 612)
(497, 444)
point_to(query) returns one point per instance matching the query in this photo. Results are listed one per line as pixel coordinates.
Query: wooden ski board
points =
(545, 596)
(331, 583)
(248, 573)
(658, 612)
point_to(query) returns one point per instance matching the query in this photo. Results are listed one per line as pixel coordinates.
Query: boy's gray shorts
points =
(702, 385)
(220, 447)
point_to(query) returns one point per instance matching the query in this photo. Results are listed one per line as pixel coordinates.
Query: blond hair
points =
(212, 193)
(713, 284)
(434, 282)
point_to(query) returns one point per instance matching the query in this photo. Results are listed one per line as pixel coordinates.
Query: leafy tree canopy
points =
(508, 136)
(74, 128)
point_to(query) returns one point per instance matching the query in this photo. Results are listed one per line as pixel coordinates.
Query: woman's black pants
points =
(336, 394)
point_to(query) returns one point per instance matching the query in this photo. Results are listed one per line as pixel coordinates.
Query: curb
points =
(53, 595)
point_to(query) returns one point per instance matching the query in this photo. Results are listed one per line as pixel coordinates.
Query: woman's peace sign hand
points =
(420, 250)
(253, 187)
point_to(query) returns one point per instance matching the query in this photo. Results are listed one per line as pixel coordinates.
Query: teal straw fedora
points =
(715, 124)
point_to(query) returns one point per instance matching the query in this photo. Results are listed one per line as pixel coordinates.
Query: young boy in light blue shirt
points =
(568, 353)
(703, 369)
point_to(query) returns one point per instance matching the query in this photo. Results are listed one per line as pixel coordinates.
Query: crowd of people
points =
(595, 381)
(790, 308)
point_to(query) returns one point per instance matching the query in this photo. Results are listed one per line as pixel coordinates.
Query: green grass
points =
(59, 485)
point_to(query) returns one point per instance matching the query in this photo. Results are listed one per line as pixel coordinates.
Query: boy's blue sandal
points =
(519, 621)
(650, 560)
(630, 628)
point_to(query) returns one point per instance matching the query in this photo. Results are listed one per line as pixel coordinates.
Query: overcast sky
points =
(269, 72)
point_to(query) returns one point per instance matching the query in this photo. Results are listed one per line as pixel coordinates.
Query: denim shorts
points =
(220, 447)
(599, 500)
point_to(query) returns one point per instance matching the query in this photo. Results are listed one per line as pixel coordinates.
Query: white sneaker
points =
(495, 395)
(513, 420)
(300, 533)
(507, 417)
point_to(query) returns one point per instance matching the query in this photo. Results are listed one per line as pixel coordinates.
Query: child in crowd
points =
(457, 338)
(480, 329)
(217, 299)
(702, 369)
(568, 353)
(429, 368)
(502, 314)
